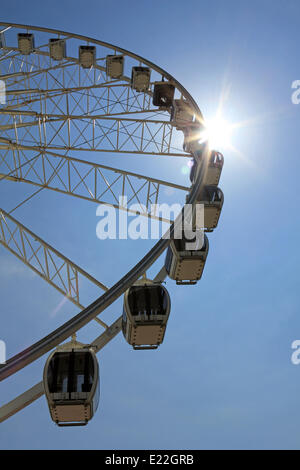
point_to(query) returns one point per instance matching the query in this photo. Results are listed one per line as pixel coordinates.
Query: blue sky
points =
(223, 377)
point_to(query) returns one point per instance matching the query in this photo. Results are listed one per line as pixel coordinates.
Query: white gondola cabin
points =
(140, 78)
(145, 314)
(183, 264)
(57, 48)
(71, 384)
(212, 199)
(114, 66)
(192, 138)
(214, 168)
(163, 94)
(182, 114)
(87, 56)
(26, 43)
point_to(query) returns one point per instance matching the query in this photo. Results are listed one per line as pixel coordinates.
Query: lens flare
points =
(185, 170)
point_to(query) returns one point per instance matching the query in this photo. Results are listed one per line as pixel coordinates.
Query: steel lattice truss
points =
(53, 266)
(96, 134)
(65, 107)
(54, 109)
(85, 180)
(44, 260)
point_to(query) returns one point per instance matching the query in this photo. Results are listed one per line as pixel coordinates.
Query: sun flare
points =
(218, 133)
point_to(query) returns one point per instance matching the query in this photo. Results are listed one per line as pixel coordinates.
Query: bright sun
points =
(218, 132)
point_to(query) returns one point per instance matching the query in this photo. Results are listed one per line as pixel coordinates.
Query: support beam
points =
(20, 402)
(70, 132)
(90, 181)
(43, 259)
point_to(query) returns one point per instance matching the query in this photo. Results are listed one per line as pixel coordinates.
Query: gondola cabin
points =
(114, 66)
(182, 114)
(57, 48)
(145, 314)
(163, 94)
(140, 78)
(183, 264)
(212, 199)
(71, 384)
(87, 56)
(192, 138)
(26, 43)
(213, 171)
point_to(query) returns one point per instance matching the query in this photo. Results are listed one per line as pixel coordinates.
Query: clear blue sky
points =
(223, 377)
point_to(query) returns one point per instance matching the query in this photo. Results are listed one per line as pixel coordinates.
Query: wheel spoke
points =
(43, 259)
(90, 181)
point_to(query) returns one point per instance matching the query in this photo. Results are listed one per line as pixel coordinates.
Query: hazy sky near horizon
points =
(223, 377)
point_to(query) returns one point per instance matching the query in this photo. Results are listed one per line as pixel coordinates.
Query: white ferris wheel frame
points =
(23, 117)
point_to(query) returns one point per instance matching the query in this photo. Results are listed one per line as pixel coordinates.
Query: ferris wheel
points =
(65, 97)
